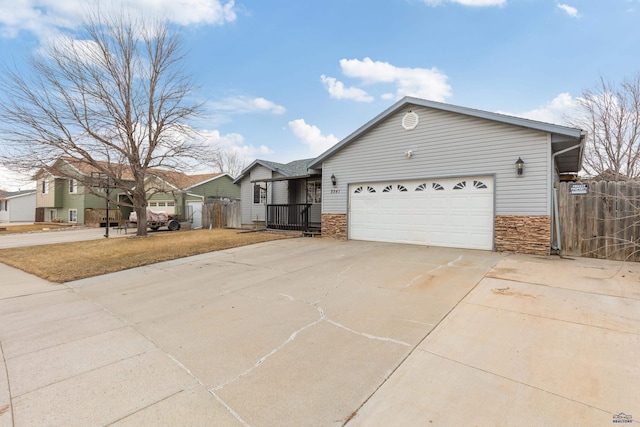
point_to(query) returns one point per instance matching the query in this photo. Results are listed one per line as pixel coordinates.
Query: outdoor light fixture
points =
(334, 181)
(519, 167)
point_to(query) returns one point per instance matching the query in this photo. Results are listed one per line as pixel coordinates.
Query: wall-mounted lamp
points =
(519, 167)
(334, 181)
(408, 154)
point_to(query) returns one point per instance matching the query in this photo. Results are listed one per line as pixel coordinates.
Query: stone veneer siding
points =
(514, 233)
(523, 234)
(334, 226)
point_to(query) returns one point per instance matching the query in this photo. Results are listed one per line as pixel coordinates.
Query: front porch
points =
(295, 216)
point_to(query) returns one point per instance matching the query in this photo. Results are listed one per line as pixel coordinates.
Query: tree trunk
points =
(140, 206)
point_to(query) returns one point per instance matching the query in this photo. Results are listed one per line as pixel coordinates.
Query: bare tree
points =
(113, 97)
(611, 115)
(227, 160)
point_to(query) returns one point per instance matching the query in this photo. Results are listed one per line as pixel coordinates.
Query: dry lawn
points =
(28, 228)
(64, 262)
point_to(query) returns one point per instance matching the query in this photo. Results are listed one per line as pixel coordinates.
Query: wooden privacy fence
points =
(604, 223)
(221, 214)
(97, 217)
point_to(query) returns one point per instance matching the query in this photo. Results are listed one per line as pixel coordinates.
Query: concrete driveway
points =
(295, 332)
(314, 332)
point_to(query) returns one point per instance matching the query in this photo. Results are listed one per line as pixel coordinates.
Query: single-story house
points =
(285, 196)
(175, 192)
(17, 206)
(430, 173)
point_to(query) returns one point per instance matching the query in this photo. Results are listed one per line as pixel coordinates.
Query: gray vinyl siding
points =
(250, 211)
(279, 191)
(446, 144)
(246, 199)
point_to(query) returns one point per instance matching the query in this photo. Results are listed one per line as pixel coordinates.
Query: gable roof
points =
(83, 167)
(13, 194)
(176, 179)
(292, 169)
(563, 136)
(183, 181)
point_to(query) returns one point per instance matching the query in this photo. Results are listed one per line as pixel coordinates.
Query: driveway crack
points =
(272, 352)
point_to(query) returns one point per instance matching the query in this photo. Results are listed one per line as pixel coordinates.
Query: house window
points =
(314, 192)
(461, 185)
(73, 186)
(44, 188)
(259, 194)
(73, 215)
(53, 214)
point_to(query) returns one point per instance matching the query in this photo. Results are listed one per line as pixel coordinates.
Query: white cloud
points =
(473, 3)
(311, 135)
(13, 181)
(555, 111)
(43, 17)
(234, 142)
(338, 91)
(245, 104)
(420, 82)
(571, 11)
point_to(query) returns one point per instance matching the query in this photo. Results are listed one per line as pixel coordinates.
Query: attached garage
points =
(450, 212)
(429, 173)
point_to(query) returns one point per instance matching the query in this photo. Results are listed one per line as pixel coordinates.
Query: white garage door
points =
(448, 212)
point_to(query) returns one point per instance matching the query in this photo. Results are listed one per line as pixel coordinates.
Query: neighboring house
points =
(177, 193)
(17, 206)
(64, 199)
(609, 175)
(429, 173)
(436, 174)
(282, 196)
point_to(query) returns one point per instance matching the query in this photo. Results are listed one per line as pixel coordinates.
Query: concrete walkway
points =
(321, 333)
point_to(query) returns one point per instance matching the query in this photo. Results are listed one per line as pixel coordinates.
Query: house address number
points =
(578, 188)
(335, 191)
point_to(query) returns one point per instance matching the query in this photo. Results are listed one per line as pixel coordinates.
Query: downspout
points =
(555, 211)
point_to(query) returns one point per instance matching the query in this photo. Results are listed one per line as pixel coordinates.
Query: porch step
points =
(311, 233)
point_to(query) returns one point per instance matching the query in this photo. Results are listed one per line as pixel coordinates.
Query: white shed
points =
(18, 206)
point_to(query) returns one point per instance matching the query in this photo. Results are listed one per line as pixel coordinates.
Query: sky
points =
(287, 79)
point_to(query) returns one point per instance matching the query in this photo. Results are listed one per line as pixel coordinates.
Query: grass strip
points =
(64, 262)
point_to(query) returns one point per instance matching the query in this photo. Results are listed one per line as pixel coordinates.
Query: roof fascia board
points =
(284, 178)
(15, 196)
(251, 166)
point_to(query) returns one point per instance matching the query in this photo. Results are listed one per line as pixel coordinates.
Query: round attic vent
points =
(410, 120)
